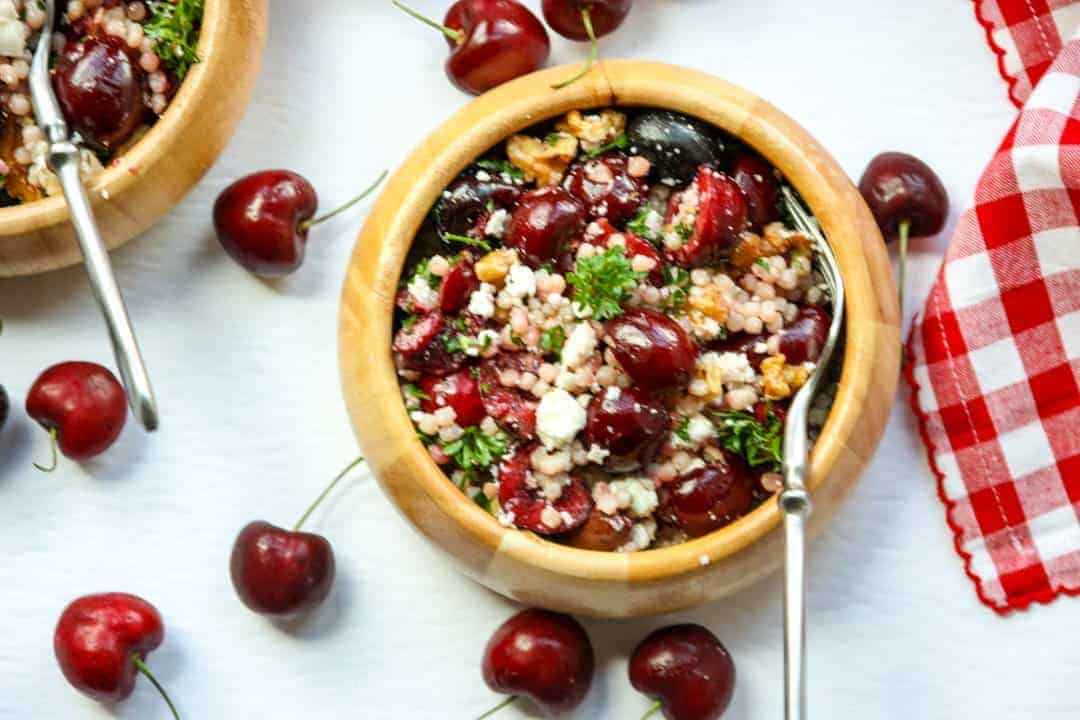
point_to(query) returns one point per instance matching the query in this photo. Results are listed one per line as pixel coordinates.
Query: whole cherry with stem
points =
(284, 573)
(687, 669)
(83, 407)
(262, 220)
(907, 199)
(101, 642)
(543, 655)
(491, 42)
(585, 20)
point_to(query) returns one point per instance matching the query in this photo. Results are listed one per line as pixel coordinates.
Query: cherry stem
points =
(497, 708)
(324, 493)
(904, 230)
(586, 19)
(307, 224)
(141, 667)
(651, 711)
(457, 36)
(52, 445)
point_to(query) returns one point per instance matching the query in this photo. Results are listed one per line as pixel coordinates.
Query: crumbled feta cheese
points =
(638, 495)
(422, 293)
(521, 281)
(579, 346)
(483, 176)
(641, 536)
(551, 517)
(482, 301)
(496, 224)
(597, 454)
(699, 429)
(730, 367)
(559, 418)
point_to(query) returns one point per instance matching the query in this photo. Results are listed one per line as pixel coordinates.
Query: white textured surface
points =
(246, 374)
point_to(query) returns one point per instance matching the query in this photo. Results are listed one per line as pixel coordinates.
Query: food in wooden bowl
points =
(134, 79)
(675, 486)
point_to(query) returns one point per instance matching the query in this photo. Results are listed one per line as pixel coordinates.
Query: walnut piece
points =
(780, 380)
(493, 267)
(594, 129)
(540, 160)
(776, 240)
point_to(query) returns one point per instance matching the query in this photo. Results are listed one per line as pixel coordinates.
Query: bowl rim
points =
(518, 105)
(122, 172)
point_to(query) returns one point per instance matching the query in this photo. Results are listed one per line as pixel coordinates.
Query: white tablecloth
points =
(254, 426)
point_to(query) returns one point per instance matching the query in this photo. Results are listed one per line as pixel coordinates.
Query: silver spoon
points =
(63, 160)
(794, 499)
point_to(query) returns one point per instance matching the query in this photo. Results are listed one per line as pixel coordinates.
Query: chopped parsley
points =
(173, 27)
(760, 444)
(413, 391)
(553, 339)
(682, 430)
(460, 342)
(604, 282)
(466, 240)
(502, 167)
(475, 450)
(763, 264)
(553, 138)
(677, 281)
(619, 143)
(639, 225)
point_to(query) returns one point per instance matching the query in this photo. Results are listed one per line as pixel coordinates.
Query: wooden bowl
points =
(522, 565)
(143, 183)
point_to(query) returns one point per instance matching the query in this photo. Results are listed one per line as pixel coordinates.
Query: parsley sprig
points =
(174, 29)
(760, 444)
(639, 225)
(466, 240)
(603, 282)
(619, 143)
(501, 167)
(476, 450)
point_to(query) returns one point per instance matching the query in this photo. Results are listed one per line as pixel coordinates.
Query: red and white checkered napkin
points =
(995, 358)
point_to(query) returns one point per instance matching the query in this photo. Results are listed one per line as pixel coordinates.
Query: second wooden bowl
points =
(143, 183)
(522, 565)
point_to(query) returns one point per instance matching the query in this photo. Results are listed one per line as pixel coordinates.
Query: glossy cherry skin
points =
(605, 533)
(457, 285)
(281, 573)
(83, 402)
(423, 345)
(460, 391)
(688, 669)
(759, 184)
(96, 638)
(708, 498)
(605, 187)
(628, 424)
(100, 89)
(723, 213)
(260, 219)
(653, 349)
(543, 655)
(502, 40)
(526, 504)
(675, 145)
(804, 338)
(543, 222)
(564, 16)
(899, 187)
(464, 204)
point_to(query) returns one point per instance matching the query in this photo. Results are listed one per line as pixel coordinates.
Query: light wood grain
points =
(151, 177)
(522, 565)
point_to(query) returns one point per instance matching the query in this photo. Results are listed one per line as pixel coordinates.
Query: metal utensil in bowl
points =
(794, 499)
(63, 159)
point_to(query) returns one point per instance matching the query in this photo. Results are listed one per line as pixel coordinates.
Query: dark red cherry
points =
(707, 498)
(281, 573)
(636, 246)
(491, 42)
(460, 391)
(758, 181)
(100, 89)
(82, 405)
(457, 285)
(543, 222)
(653, 349)
(628, 424)
(465, 203)
(688, 669)
(722, 214)
(565, 16)
(424, 345)
(542, 655)
(675, 145)
(899, 187)
(804, 338)
(529, 509)
(606, 533)
(605, 187)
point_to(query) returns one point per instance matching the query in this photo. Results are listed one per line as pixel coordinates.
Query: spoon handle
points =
(64, 161)
(795, 503)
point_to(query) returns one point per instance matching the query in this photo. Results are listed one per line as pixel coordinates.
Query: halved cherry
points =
(805, 337)
(653, 349)
(707, 498)
(602, 532)
(605, 187)
(457, 285)
(530, 509)
(722, 214)
(411, 339)
(464, 205)
(757, 179)
(513, 409)
(460, 391)
(636, 246)
(424, 346)
(627, 424)
(543, 222)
